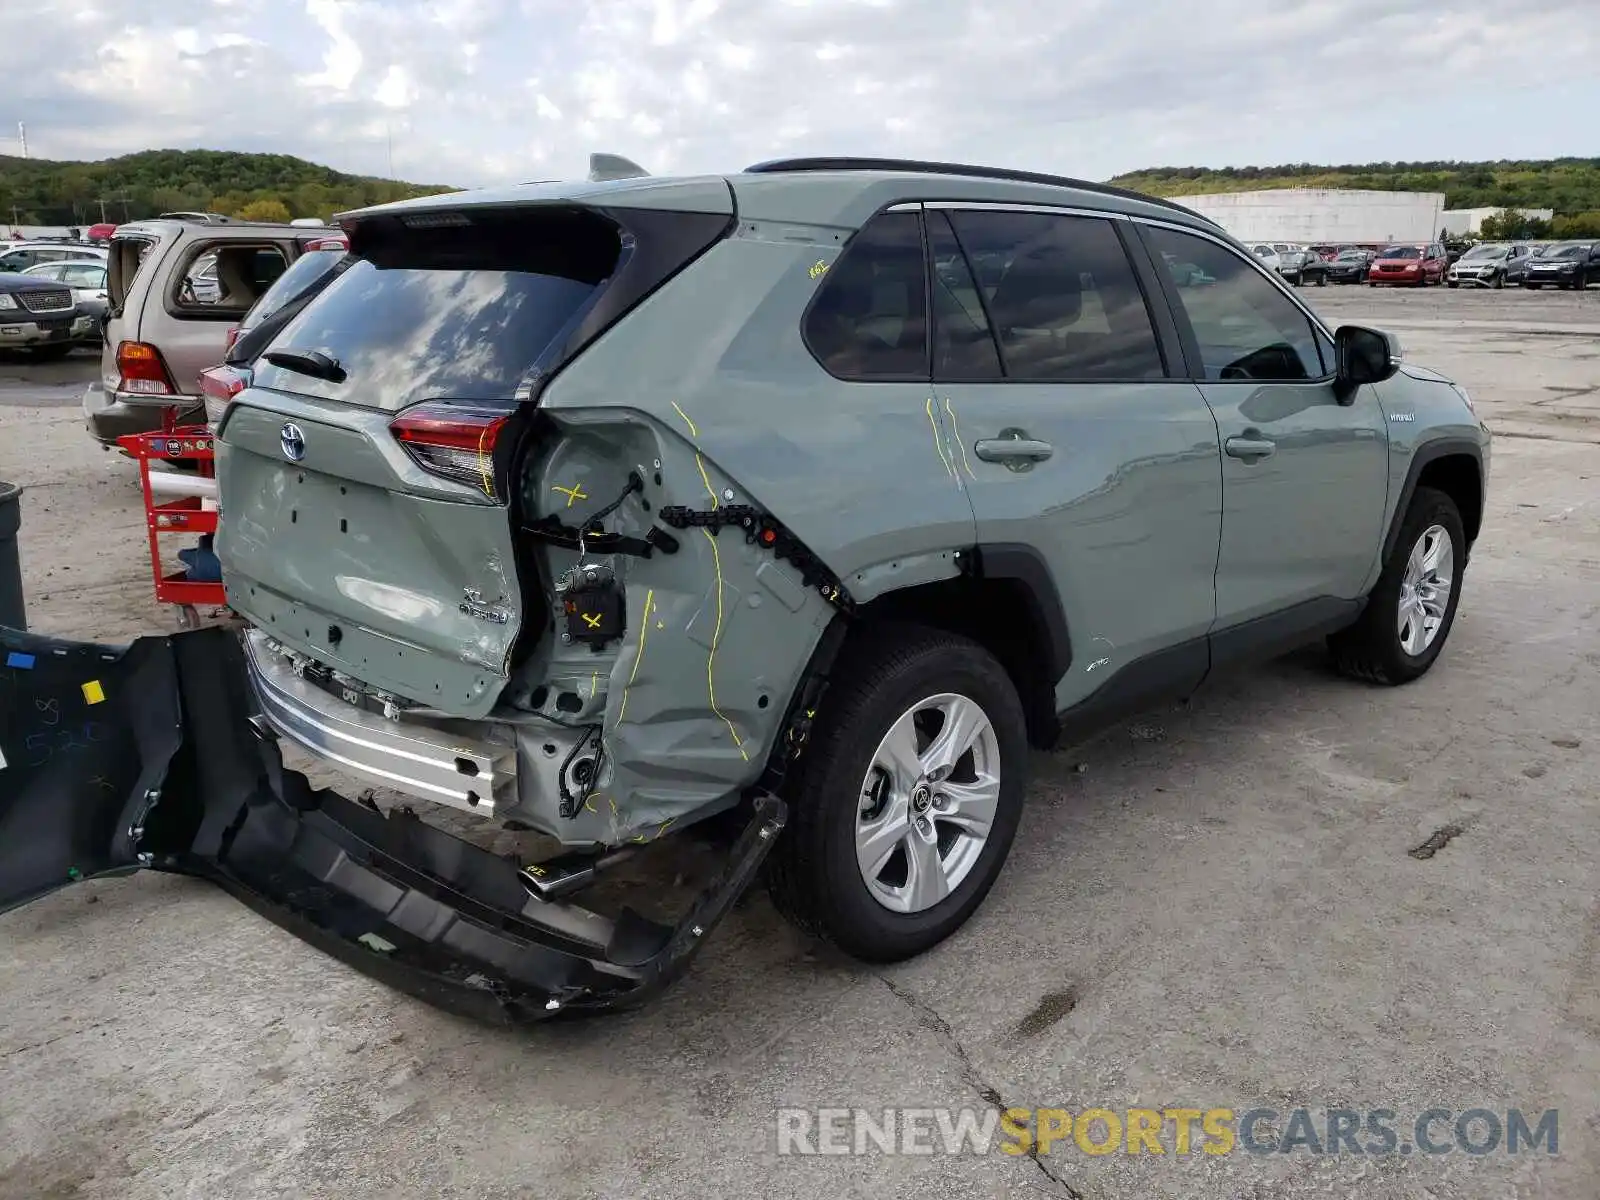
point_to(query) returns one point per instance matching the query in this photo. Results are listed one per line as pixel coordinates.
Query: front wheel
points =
(907, 798)
(1411, 609)
(1497, 280)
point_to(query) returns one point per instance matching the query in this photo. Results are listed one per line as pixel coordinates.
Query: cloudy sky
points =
(477, 91)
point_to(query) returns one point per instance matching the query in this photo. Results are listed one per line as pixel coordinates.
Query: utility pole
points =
(22, 136)
(388, 135)
(102, 211)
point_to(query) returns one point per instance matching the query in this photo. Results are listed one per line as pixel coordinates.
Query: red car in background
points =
(1416, 265)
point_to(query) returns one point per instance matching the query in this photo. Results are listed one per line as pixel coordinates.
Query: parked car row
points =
(1427, 264)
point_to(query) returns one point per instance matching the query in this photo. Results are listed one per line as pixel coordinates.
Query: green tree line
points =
(1569, 186)
(37, 191)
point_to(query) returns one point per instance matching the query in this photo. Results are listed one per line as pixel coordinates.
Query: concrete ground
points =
(1213, 907)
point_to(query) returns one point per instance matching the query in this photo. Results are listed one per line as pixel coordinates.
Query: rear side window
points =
(460, 313)
(1062, 297)
(868, 320)
(224, 280)
(1247, 329)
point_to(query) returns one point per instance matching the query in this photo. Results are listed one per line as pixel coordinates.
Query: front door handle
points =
(1013, 449)
(1249, 448)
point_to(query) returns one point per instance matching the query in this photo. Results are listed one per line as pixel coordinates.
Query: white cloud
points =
(482, 90)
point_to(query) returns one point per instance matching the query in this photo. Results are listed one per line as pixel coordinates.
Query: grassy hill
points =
(1567, 185)
(36, 191)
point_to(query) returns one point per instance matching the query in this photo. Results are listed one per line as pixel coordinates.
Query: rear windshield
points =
(456, 313)
(288, 287)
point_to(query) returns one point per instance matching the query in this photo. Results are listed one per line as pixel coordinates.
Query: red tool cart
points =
(184, 514)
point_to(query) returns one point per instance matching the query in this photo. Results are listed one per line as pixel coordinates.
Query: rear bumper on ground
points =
(173, 774)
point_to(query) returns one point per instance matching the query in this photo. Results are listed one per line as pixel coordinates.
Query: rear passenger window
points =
(1061, 296)
(1246, 327)
(964, 348)
(225, 280)
(869, 320)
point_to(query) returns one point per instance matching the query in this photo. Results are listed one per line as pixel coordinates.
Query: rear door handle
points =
(1003, 450)
(1248, 448)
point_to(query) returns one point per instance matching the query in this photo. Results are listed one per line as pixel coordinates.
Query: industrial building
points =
(1323, 216)
(1468, 221)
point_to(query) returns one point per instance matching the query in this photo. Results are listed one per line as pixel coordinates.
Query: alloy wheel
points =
(927, 803)
(1425, 590)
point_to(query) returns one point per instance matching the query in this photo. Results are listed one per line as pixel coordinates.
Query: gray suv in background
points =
(815, 495)
(175, 289)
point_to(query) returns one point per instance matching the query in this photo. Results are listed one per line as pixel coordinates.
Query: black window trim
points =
(1180, 316)
(195, 248)
(983, 301)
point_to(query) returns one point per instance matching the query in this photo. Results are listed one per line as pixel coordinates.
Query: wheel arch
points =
(1453, 466)
(1007, 601)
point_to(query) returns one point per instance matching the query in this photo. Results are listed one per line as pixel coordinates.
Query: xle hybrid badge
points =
(293, 441)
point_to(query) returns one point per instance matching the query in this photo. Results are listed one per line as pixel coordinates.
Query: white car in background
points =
(1268, 256)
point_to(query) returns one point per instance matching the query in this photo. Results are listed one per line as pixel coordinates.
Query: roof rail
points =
(783, 165)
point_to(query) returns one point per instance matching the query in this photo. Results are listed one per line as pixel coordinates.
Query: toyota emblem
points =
(293, 440)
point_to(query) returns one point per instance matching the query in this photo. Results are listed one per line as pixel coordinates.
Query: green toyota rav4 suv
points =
(816, 493)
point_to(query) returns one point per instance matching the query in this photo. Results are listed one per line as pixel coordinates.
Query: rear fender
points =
(678, 713)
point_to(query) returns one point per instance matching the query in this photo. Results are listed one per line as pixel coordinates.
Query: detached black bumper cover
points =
(145, 756)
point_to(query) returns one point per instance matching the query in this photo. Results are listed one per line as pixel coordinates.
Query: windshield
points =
(1262, 251)
(1565, 252)
(1486, 252)
(1401, 252)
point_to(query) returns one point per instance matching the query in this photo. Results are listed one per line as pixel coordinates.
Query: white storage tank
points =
(1317, 216)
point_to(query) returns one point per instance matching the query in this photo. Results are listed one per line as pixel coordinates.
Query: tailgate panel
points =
(354, 556)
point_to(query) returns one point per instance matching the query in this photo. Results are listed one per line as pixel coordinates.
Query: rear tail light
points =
(453, 441)
(220, 385)
(143, 371)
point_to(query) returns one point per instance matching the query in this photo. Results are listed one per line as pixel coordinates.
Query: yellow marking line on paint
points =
(938, 442)
(572, 494)
(716, 636)
(486, 463)
(638, 657)
(961, 445)
(716, 562)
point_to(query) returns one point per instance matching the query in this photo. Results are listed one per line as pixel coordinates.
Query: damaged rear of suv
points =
(600, 509)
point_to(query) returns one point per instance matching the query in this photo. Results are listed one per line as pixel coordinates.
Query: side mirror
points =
(1362, 356)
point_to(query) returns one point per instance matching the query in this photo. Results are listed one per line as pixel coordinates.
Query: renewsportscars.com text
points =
(1177, 1131)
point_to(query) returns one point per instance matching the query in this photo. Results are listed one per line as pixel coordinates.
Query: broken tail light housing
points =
(454, 441)
(142, 370)
(220, 385)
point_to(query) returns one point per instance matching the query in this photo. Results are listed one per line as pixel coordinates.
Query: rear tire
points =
(1383, 646)
(816, 875)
